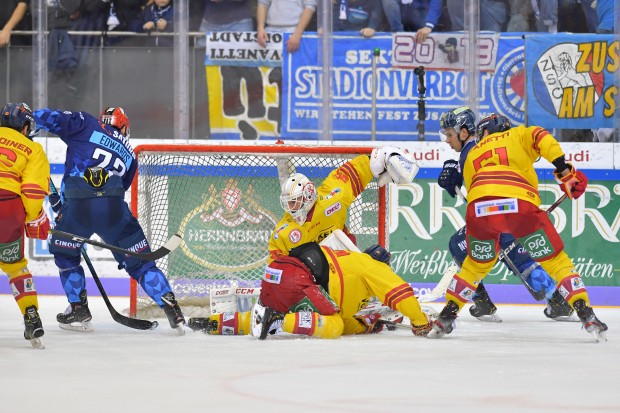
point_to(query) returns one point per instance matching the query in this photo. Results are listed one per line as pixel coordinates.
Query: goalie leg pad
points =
(228, 324)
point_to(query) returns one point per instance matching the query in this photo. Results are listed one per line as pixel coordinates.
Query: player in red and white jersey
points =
(24, 183)
(503, 198)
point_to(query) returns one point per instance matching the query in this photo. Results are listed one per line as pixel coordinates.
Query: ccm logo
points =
(336, 207)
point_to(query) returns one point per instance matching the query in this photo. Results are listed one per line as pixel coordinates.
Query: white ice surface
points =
(525, 364)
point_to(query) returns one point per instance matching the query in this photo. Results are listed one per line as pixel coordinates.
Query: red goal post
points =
(224, 201)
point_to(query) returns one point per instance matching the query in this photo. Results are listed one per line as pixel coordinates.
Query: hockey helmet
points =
(16, 116)
(115, 116)
(459, 118)
(298, 197)
(493, 123)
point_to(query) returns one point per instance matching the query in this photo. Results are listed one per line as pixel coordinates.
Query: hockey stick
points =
(135, 323)
(441, 287)
(162, 251)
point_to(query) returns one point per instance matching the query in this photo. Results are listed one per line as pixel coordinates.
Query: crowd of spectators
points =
(364, 16)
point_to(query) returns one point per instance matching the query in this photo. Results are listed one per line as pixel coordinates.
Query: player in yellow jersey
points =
(503, 198)
(24, 183)
(313, 290)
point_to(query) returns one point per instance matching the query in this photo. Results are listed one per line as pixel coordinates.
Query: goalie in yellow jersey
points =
(503, 198)
(318, 291)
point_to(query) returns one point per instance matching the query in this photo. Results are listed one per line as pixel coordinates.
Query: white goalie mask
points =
(298, 197)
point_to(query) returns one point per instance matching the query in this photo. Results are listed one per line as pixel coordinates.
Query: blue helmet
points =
(459, 118)
(493, 123)
(16, 116)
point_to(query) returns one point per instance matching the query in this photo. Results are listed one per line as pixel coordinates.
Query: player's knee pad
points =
(458, 246)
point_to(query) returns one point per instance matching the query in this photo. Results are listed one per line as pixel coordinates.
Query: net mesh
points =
(225, 206)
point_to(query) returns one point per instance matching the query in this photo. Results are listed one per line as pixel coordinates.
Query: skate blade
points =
(599, 336)
(37, 343)
(434, 334)
(566, 318)
(180, 329)
(491, 318)
(83, 327)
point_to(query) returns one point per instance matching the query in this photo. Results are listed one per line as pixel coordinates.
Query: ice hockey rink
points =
(527, 363)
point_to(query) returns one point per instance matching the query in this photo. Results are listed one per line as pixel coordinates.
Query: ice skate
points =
(558, 309)
(33, 327)
(446, 321)
(77, 316)
(590, 322)
(270, 322)
(174, 313)
(483, 308)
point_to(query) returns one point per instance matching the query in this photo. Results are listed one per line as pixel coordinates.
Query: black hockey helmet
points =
(493, 123)
(16, 116)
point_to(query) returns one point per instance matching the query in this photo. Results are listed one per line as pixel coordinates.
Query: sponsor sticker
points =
(272, 275)
(537, 244)
(333, 209)
(496, 207)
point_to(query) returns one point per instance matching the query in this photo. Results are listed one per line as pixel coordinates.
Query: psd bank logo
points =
(558, 82)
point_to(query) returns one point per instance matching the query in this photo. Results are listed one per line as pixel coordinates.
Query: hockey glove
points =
(55, 201)
(371, 321)
(38, 228)
(392, 165)
(421, 331)
(450, 177)
(378, 253)
(573, 184)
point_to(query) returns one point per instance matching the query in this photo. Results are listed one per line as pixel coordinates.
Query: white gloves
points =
(390, 164)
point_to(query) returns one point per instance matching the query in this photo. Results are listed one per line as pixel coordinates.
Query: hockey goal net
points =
(224, 202)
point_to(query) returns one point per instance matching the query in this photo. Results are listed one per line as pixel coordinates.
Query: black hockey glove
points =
(379, 253)
(450, 177)
(55, 201)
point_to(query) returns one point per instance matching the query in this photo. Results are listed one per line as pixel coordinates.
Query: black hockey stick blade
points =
(134, 323)
(160, 252)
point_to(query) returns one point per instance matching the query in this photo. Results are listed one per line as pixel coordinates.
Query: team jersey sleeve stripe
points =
(538, 134)
(356, 182)
(397, 294)
(10, 175)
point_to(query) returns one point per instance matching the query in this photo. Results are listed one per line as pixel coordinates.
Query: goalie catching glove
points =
(38, 228)
(390, 164)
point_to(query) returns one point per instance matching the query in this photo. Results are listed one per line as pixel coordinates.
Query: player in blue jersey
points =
(99, 167)
(461, 133)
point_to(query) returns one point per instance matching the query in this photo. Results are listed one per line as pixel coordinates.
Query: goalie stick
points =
(160, 252)
(134, 323)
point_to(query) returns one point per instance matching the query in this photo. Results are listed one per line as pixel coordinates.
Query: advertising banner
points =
(570, 80)
(501, 90)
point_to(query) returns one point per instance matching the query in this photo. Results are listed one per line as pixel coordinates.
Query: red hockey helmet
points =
(115, 116)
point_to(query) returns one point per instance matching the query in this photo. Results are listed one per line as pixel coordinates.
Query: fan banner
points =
(242, 49)
(444, 51)
(570, 80)
(501, 90)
